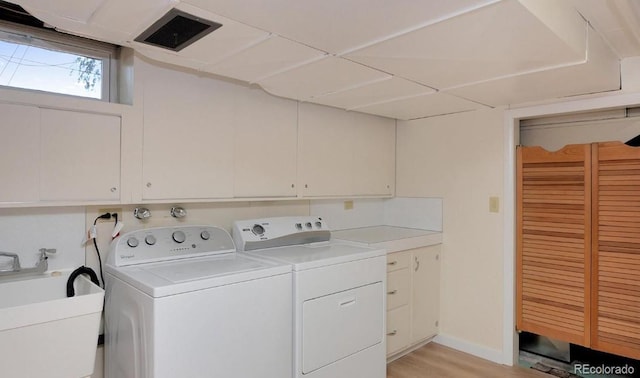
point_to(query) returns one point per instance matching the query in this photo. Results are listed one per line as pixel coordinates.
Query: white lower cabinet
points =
(413, 297)
(425, 296)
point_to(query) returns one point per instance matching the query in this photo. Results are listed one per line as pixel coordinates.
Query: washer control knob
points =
(132, 242)
(319, 224)
(150, 240)
(308, 224)
(179, 236)
(257, 229)
(298, 226)
(205, 235)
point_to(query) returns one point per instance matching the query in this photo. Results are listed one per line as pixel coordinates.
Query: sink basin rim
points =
(89, 299)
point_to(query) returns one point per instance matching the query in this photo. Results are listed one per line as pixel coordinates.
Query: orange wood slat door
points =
(554, 242)
(615, 319)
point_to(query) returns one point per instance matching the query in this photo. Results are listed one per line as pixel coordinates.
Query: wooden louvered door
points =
(554, 242)
(615, 320)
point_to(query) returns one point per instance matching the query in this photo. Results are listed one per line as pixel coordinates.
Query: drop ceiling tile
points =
(264, 59)
(600, 73)
(497, 40)
(336, 25)
(76, 22)
(382, 91)
(130, 17)
(618, 21)
(421, 106)
(322, 77)
(70, 9)
(231, 38)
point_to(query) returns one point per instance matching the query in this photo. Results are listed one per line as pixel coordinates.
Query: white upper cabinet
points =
(54, 155)
(265, 146)
(208, 139)
(188, 136)
(344, 154)
(374, 151)
(19, 166)
(79, 156)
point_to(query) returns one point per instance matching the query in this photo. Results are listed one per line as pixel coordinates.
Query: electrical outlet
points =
(348, 205)
(114, 210)
(494, 204)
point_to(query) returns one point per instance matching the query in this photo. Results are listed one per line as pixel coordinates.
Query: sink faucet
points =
(41, 266)
(15, 266)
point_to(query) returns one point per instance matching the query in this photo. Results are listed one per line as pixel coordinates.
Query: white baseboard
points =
(493, 355)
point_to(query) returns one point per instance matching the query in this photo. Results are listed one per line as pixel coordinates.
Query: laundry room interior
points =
(460, 176)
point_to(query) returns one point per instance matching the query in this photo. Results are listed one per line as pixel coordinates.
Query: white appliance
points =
(180, 302)
(339, 295)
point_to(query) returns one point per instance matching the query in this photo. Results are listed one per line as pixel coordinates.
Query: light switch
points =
(494, 204)
(348, 205)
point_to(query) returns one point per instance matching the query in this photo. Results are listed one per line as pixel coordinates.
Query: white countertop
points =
(393, 239)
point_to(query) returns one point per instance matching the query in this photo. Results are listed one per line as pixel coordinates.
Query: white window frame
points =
(53, 40)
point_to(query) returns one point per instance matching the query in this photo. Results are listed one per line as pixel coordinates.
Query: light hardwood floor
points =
(437, 361)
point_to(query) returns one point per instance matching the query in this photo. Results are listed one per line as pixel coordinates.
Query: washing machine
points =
(180, 302)
(338, 295)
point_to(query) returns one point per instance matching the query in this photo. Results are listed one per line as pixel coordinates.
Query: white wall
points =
(25, 231)
(460, 159)
(420, 213)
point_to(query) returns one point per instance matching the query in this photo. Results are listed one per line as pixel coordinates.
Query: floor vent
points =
(177, 30)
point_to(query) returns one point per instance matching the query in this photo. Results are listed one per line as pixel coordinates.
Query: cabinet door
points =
(79, 156)
(265, 146)
(188, 136)
(374, 155)
(345, 154)
(324, 151)
(19, 167)
(426, 293)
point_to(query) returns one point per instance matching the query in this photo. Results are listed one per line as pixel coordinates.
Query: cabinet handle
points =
(347, 302)
(417, 263)
(113, 190)
(392, 263)
(392, 333)
(392, 292)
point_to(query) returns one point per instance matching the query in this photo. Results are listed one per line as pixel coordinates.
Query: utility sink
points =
(45, 334)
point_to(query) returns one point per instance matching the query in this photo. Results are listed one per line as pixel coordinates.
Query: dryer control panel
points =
(169, 243)
(262, 233)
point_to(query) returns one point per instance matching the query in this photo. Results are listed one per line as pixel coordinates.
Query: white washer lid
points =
(309, 256)
(175, 277)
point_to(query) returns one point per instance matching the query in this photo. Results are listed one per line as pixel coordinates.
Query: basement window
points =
(45, 60)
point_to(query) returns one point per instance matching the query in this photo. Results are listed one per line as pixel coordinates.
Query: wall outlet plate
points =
(494, 204)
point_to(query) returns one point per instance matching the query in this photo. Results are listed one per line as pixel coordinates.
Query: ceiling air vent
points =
(177, 30)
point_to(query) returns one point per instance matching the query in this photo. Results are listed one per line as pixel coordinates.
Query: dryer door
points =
(341, 324)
